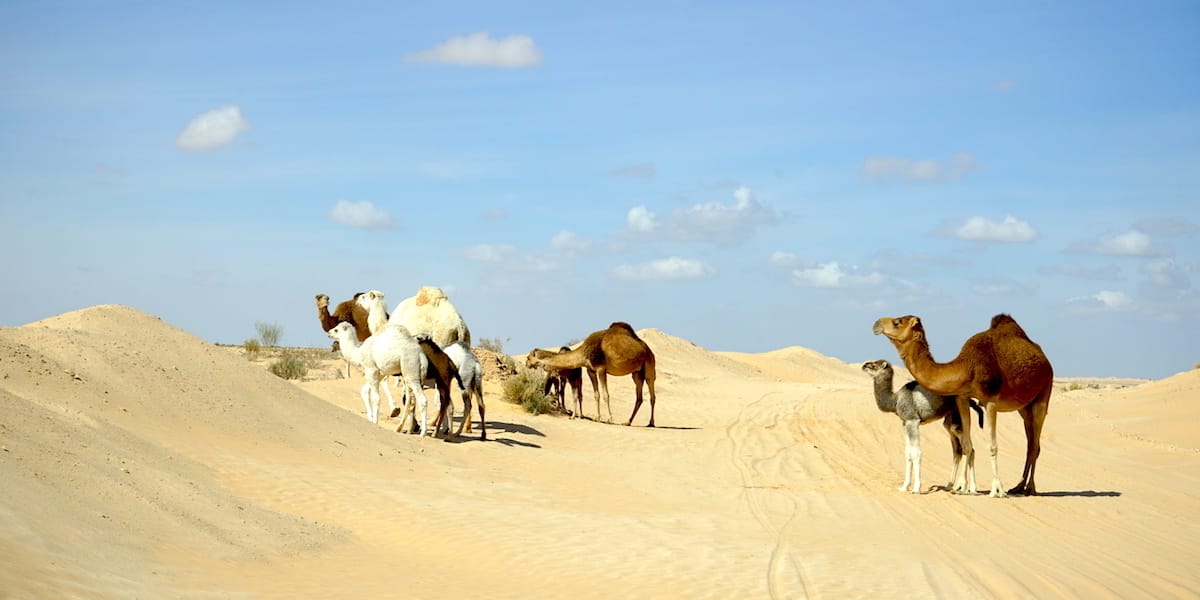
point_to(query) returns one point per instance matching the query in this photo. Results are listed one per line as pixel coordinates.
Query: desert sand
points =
(139, 461)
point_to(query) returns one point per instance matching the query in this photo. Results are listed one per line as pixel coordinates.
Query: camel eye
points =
(895, 322)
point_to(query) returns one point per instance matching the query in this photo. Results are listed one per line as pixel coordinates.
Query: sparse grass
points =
(252, 348)
(525, 388)
(1074, 386)
(491, 345)
(269, 333)
(290, 365)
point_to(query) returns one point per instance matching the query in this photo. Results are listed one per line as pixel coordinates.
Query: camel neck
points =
(884, 399)
(932, 375)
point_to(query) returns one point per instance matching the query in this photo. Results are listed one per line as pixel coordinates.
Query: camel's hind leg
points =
(638, 380)
(1034, 416)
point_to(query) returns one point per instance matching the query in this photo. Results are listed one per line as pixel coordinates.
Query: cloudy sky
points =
(748, 176)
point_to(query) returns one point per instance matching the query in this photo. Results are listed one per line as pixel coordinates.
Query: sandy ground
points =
(137, 461)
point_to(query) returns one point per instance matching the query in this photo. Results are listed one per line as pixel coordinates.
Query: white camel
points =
(430, 311)
(389, 351)
(917, 406)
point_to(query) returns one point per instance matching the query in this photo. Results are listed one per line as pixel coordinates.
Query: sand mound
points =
(139, 461)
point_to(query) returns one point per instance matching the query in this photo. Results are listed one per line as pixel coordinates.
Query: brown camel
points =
(614, 351)
(1000, 367)
(560, 378)
(348, 311)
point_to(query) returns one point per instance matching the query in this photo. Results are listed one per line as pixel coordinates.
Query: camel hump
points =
(912, 386)
(1006, 321)
(622, 325)
(429, 295)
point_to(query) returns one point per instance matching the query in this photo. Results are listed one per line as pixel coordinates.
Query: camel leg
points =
(1034, 415)
(482, 422)
(595, 392)
(577, 388)
(365, 392)
(956, 452)
(649, 375)
(638, 379)
(466, 420)
(912, 457)
(602, 375)
(963, 483)
(994, 449)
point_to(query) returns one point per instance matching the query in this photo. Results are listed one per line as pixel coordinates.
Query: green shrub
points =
(269, 333)
(252, 347)
(525, 388)
(290, 366)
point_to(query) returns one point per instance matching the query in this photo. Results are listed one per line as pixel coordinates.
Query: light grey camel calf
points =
(917, 406)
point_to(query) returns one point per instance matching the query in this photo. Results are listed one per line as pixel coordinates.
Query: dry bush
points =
(525, 388)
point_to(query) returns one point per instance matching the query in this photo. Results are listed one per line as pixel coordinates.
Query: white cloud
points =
(891, 168)
(780, 258)
(980, 229)
(569, 241)
(212, 129)
(1130, 243)
(832, 275)
(1102, 301)
(364, 215)
(666, 269)
(711, 222)
(488, 252)
(641, 220)
(479, 49)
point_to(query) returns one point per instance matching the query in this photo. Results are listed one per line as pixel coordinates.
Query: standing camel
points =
(614, 351)
(1000, 367)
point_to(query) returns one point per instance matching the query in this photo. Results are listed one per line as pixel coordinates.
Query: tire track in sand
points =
(757, 436)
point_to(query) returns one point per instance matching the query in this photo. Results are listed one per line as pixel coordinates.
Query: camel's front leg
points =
(962, 482)
(990, 422)
(912, 457)
(595, 392)
(365, 392)
(602, 375)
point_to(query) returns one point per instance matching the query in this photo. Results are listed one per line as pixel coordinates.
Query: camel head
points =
(532, 359)
(875, 367)
(366, 299)
(900, 330)
(342, 329)
(322, 302)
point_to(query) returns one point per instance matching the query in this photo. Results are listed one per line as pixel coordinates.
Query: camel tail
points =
(978, 410)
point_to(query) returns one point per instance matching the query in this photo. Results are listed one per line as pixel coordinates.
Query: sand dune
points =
(140, 461)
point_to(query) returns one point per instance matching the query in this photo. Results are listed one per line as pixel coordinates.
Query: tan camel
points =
(614, 351)
(1000, 367)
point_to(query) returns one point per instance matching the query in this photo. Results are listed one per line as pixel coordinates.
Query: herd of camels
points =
(1000, 368)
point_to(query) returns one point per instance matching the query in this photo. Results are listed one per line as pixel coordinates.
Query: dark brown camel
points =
(1000, 367)
(614, 351)
(558, 379)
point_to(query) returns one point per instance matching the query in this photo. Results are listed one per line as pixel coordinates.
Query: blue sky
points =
(748, 176)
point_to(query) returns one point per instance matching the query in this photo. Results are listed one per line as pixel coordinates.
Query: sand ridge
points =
(140, 461)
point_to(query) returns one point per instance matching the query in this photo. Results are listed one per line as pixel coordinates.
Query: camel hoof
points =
(395, 413)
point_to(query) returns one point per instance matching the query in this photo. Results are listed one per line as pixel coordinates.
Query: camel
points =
(347, 311)
(391, 351)
(917, 406)
(1000, 367)
(429, 312)
(558, 379)
(471, 372)
(614, 351)
(441, 373)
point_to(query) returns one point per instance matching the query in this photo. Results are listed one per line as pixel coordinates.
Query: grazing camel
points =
(917, 406)
(614, 351)
(1000, 367)
(559, 378)
(391, 351)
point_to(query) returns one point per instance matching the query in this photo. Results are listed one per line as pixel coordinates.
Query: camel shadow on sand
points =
(497, 427)
(1061, 494)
